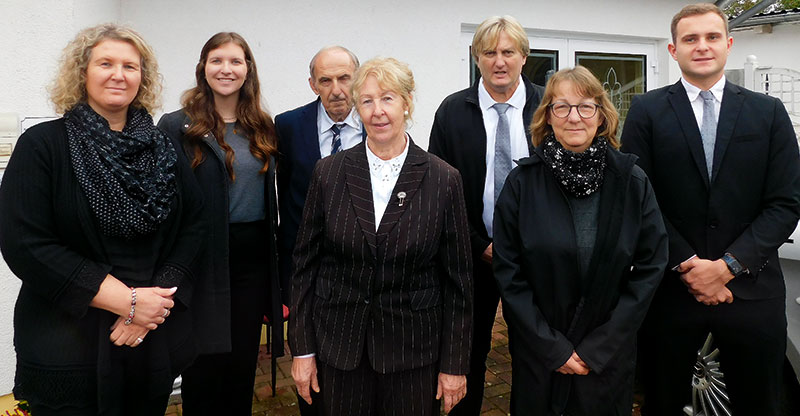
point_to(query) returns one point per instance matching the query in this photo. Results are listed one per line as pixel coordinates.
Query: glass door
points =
(622, 75)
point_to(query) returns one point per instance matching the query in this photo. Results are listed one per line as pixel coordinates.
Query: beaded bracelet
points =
(133, 307)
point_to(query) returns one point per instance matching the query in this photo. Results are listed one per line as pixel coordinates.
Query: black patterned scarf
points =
(581, 174)
(128, 176)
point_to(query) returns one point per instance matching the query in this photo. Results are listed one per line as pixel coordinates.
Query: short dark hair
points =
(695, 10)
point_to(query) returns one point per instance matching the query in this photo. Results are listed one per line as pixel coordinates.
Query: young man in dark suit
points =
(724, 165)
(306, 134)
(465, 134)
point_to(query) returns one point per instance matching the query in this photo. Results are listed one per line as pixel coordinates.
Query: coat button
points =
(366, 301)
(713, 224)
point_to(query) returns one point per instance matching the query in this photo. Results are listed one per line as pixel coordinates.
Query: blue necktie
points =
(708, 130)
(336, 145)
(502, 149)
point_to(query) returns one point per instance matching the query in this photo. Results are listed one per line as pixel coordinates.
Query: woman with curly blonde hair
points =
(100, 222)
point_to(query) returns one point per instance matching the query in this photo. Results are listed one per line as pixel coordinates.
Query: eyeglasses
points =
(585, 110)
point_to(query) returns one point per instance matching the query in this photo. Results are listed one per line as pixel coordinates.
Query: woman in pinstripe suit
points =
(382, 292)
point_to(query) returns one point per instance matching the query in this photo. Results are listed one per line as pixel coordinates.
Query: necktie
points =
(502, 149)
(708, 130)
(336, 145)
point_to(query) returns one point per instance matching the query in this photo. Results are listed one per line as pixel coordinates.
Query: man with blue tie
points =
(481, 131)
(306, 134)
(724, 165)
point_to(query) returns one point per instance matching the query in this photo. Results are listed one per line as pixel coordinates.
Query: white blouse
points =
(383, 174)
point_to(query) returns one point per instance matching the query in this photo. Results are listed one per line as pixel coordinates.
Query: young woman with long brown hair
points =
(230, 142)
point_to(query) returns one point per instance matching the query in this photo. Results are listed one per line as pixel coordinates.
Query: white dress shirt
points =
(350, 134)
(697, 101)
(383, 176)
(519, 142)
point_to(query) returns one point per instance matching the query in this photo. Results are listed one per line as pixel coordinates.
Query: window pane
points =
(623, 76)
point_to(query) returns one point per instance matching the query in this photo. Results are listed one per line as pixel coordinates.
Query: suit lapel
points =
(728, 114)
(409, 181)
(691, 133)
(310, 135)
(360, 189)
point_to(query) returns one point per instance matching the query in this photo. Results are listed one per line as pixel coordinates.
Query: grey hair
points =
(353, 58)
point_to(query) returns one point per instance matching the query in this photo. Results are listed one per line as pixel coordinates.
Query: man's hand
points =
(487, 254)
(574, 365)
(452, 389)
(304, 373)
(706, 279)
(723, 296)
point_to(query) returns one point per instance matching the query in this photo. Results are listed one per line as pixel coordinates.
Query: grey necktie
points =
(336, 145)
(502, 149)
(708, 130)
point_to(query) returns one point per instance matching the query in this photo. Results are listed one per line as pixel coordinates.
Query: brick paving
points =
(496, 394)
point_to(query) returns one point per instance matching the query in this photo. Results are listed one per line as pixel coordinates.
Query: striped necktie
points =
(336, 145)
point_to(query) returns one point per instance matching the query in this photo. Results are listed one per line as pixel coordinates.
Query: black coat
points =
(458, 136)
(213, 316)
(51, 241)
(549, 314)
(401, 294)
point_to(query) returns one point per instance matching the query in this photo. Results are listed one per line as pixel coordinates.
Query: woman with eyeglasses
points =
(579, 250)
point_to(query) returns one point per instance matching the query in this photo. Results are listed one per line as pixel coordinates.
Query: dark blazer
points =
(752, 203)
(51, 241)
(403, 294)
(458, 136)
(551, 310)
(298, 149)
(213, 318)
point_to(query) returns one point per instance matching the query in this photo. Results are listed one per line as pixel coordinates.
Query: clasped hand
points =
(574, 365)
(706, 280)
(131, 335)
(153, 305)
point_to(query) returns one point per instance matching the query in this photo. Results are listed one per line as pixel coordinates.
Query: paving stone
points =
(497, 390)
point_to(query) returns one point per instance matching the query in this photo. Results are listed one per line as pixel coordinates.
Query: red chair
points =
(273, 359)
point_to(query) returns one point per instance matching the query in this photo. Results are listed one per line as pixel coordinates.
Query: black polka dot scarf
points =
(580, 174)
(128, 176)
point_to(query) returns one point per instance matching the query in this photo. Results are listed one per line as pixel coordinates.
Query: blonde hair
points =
(488, 32)
(69, 86)
(391, 74)
(586, 85)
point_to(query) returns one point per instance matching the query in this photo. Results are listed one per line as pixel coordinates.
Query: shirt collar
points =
(377, 164)
(486, 101)
(716, 90)
(326, 122)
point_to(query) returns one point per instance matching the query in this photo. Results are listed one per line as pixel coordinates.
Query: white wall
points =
(284, 36)
(778, 49)
(425, 34)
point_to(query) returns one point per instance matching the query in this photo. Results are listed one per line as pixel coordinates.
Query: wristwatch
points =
(733, 265)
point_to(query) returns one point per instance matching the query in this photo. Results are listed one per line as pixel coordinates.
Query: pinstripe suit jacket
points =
(403, 294)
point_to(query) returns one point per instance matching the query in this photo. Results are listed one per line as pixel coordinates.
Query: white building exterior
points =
(431, 36)
(778, 48)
